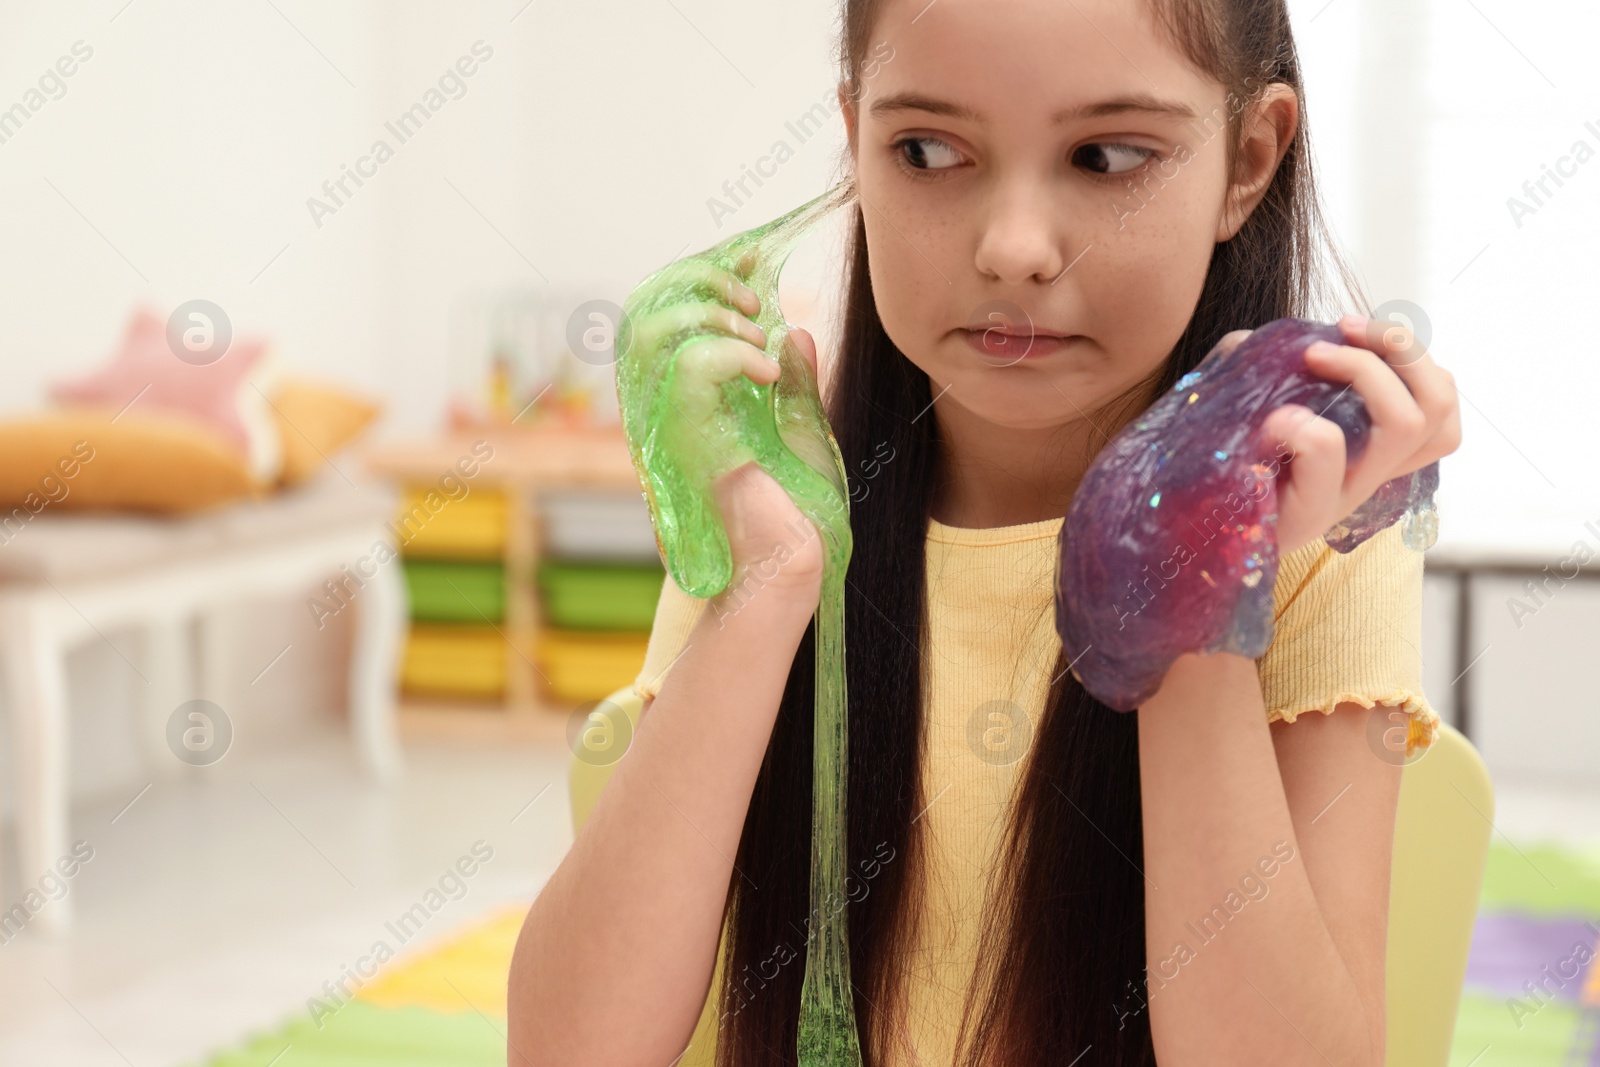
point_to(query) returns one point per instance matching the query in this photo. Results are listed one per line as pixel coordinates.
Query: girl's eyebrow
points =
(1138, 102)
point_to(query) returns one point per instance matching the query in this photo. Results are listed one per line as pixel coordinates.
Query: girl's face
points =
(1053, 171)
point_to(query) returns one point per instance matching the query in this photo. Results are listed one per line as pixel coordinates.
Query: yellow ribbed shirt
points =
(1347, 629)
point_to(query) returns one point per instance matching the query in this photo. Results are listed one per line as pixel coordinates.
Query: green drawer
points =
(456, 592)
(600, 596)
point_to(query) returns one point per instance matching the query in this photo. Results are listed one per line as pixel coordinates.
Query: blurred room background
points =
(162, 152)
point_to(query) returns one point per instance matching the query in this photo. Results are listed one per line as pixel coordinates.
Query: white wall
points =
(195, 135)
(1511, 88)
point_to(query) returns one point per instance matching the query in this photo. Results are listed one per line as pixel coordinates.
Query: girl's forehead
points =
(994, 56)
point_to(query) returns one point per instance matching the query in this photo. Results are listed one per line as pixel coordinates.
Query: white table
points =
(66, 578)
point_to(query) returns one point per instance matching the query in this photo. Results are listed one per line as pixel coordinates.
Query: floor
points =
(220, 900)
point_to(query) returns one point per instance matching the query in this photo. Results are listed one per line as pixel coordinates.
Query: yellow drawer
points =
(582, 666)
(473, 527)
(458, 660)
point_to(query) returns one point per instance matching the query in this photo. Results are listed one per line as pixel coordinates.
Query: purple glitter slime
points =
(1170, 544)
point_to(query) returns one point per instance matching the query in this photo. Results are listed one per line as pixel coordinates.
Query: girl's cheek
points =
(1141, 295)
(907, 283)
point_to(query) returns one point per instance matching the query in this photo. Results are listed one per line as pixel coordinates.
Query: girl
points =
(1035, 878)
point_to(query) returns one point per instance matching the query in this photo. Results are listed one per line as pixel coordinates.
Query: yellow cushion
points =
(78, 458)
(314, 421)
(1441, 845)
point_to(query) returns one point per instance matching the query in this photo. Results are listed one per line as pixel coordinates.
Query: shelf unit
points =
(514, 467)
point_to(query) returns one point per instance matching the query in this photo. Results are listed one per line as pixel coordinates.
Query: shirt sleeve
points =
(676, 615)
(1348, 628)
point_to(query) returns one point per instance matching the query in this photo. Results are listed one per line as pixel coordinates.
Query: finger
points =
(687, 278)
(1397, 345)
(1432, 386)
(1316, 466)
(714, 359)
(1443, 442)
(1435, 391)
(1232, 340)
(806, 346)
(1396, 342)
(1302, 430)
(747, 261)
(657, 329)
(1399, 427)
(701, 365)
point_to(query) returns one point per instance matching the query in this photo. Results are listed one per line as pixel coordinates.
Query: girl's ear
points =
(1269, 129)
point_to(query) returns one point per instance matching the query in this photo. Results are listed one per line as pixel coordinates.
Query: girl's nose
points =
(1020, 238)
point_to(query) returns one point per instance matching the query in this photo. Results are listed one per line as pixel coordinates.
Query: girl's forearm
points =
(1242, 967)
(617, 952)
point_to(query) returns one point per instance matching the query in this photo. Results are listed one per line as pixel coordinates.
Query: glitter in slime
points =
(683, 433)
(1169, 546)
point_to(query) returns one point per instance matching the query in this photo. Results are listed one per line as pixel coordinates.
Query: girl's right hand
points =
(776, 550)
(678, 353)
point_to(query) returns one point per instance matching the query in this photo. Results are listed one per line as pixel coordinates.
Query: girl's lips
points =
(1007, 348)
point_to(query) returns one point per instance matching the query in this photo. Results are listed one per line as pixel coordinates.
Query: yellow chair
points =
(1441, 841)
(595, 751)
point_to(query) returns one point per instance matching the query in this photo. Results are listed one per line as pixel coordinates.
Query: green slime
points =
(683, 433)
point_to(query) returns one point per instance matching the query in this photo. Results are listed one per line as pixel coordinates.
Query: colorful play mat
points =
(443, 1008)
(1532, 995)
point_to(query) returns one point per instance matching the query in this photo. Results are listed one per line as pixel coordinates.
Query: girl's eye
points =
(926, 153)
(1109, 158)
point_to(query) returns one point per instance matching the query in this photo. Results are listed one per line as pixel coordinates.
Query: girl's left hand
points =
(1416, 419)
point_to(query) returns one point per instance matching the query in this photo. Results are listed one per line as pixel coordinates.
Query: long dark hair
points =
(1064, 948)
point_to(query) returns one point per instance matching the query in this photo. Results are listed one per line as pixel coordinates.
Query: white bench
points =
(66, 578)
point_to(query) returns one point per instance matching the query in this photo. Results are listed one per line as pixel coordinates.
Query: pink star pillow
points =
(145, 374)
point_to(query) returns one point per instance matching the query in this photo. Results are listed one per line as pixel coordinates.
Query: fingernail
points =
(1357, 321)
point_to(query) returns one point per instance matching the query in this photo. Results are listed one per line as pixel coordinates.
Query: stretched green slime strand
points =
(682, 436)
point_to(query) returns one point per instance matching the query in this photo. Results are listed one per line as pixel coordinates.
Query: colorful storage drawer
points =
(600, 596)
(456, 592)
(582, 666)
(455, 661)
(473, 527)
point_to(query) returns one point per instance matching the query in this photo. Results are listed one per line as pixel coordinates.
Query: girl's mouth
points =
(1003, 348)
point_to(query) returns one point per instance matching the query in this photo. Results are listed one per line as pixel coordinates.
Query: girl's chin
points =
(1033, 394)
(1038, 407)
